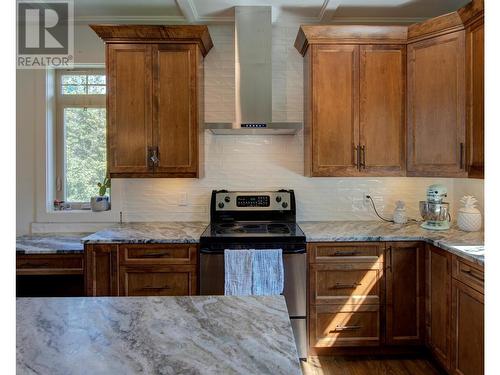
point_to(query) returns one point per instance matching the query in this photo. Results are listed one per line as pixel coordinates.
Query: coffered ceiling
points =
(304, 11)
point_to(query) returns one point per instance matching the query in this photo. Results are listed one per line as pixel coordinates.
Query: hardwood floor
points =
(368, 366)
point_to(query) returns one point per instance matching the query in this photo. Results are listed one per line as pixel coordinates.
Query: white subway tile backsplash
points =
(269, 162)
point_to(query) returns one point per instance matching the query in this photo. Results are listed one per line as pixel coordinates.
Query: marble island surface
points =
(50, 243)
(160, 335)
(151, 232)
(468, 245)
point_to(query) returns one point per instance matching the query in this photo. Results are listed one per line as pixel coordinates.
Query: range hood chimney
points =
(253, 76)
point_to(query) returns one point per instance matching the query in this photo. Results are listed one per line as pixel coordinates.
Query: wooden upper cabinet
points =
(129, 107)
(354, 100)
(436, 106)
(475, 98)
(334, 104)
(155, 99)
(176, 119)
(382, 109)
(405, 293)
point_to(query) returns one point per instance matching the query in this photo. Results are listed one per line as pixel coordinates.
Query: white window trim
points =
(72, 101)
(43, 87)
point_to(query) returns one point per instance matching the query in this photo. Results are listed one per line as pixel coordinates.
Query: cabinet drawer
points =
(342, 252)
(336, 283)
(57, 264)
(341, 325)
(469, 274)
(158, 254)
(158, 281)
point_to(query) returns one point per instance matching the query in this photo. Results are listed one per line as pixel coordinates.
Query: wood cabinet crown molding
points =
(390, 34)
(156, 34)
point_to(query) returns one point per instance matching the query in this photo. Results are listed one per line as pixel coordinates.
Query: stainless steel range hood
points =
(253, 76)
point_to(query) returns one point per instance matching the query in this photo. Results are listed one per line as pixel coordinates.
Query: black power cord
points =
(375, 209)
(389, 221)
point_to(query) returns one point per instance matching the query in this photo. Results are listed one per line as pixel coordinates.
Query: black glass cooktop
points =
(252, 229)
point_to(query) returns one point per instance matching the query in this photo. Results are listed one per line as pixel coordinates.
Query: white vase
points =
(98, 204)
(469, 221)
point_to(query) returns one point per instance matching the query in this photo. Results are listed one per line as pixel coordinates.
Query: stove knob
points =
(278, 199)
(284, 205)
(221, 205)
(227, 199)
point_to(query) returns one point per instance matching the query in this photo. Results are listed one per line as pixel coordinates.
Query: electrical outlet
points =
(182, 199)
(365, 199)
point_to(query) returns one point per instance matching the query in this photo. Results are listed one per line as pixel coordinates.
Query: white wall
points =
(232, 162)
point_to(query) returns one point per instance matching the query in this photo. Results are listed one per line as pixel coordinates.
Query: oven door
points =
(295, 269)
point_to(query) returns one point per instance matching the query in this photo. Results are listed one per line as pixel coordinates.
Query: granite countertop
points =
(468, 245)
(154, 232)
(50, 243)
(160, 335)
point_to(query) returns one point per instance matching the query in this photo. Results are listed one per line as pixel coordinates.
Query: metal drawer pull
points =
(35, 265)
(346, 253)
(346, 328)
(346, 286)
(470, 272)
(155, 255)
(155, 288)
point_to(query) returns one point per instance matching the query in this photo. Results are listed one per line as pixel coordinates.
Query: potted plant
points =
(101, 202)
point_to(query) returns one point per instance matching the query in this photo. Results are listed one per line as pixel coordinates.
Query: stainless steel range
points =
(257, 220)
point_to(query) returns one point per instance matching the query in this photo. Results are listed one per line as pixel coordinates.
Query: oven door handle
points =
(214, 252)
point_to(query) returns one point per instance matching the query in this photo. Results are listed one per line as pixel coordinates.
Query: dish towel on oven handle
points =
(253, 272)
(268, 274)
(238, 272)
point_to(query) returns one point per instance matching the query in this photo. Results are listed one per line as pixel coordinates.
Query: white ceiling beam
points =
(188, 10)
(328, 10)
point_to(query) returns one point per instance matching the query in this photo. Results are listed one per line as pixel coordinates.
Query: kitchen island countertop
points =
(50, 243)
(155, 335)
(468, 245)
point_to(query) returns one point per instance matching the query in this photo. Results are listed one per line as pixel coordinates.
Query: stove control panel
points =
(255, 200)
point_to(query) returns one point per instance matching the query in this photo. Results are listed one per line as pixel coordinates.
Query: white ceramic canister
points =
(469, 217)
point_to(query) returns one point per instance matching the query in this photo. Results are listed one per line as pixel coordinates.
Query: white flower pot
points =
(98, 204)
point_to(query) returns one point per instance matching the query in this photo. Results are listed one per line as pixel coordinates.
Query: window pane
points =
(73, 90)
(97, 79)
(94, 90)
(85, 152)
(74, 79)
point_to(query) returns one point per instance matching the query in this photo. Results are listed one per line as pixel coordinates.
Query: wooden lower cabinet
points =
(438, 305)
(344, 325)
(467, 330)
(141, 270)
(158, 281)
(405, 293)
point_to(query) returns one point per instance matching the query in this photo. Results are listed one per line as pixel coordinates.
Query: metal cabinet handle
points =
(345, 328)
(155, 255)
(153, 159)
(345, 286)
(470, 272)
(363, 157)
(346, 253)
(357, 158)
(462, 155)
(147, 287)
(35, 265)
(389, 267)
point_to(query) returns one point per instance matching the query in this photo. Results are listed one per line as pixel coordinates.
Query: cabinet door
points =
(175, 114)
(129, 108)
(438, 306)
(475, 99)
(335, 109)
(468, 330)
(405, 302)
(436, 106)
(101, 270)
(382, 110)
(158, 280)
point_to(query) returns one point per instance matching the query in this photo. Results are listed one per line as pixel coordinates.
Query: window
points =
(80, 134)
